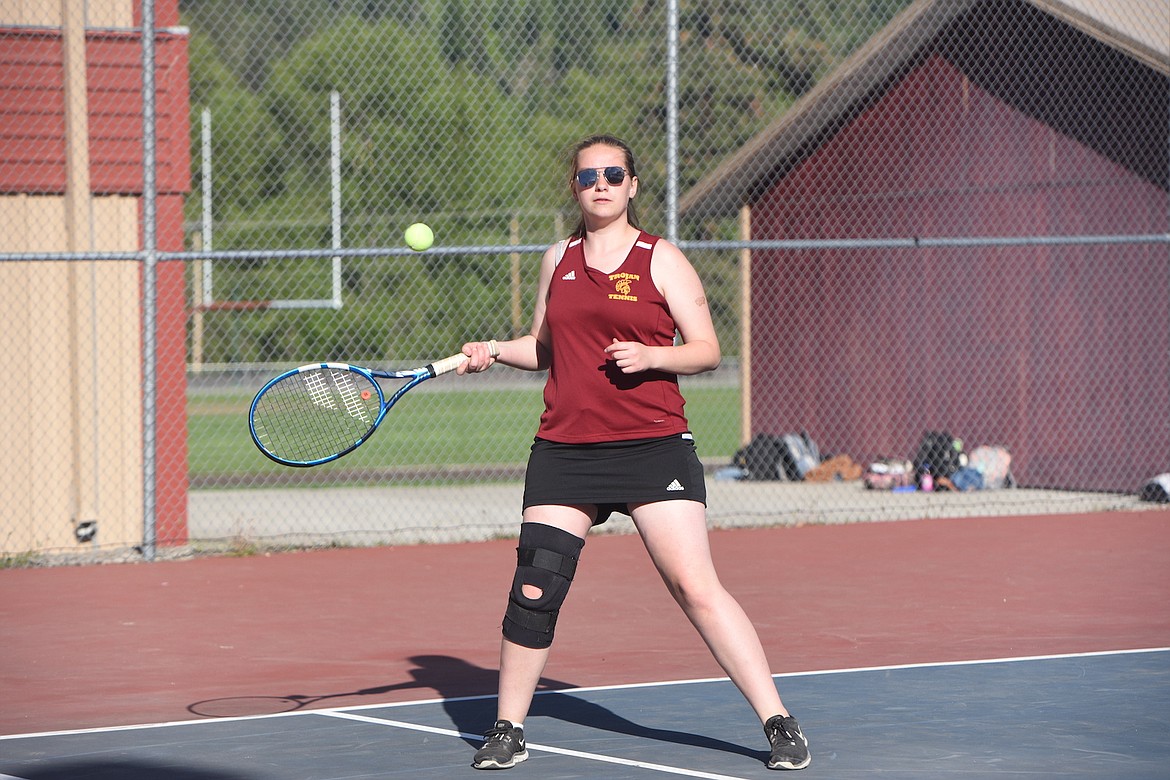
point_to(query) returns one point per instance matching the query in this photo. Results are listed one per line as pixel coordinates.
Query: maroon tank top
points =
(587, 398)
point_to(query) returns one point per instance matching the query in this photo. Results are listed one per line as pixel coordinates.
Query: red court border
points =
(139, 643)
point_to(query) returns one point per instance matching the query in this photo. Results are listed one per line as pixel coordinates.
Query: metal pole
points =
(335, 188)
(514, 277)
(745, 327)
(672, 121)
(149, 288)
(207, 216)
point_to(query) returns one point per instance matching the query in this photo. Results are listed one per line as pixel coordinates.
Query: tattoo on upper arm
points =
(701, 301)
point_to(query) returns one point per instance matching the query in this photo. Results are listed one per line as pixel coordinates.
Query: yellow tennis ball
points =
(419, 237)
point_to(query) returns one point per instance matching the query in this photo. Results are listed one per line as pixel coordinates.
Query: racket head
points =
(316, 413)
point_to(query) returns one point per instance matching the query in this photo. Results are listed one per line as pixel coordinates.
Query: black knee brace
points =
(546, 558)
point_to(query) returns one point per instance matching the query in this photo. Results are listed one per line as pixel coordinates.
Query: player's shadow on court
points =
(119, 769)
(442, 674)
(468, 694)
(449, 677)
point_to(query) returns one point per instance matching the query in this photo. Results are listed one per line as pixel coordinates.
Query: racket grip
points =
(448, 364)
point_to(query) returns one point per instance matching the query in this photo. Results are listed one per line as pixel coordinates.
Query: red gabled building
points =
(965, 119)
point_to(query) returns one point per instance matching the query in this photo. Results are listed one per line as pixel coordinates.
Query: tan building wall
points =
(72, 420)
(48, 13)
(72, 409)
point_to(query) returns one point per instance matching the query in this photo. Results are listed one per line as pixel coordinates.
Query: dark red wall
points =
(32, 112)
(171, 401)
(1059, 353)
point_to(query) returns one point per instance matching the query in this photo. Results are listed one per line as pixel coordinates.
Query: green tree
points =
(459, 112)
(247, 159)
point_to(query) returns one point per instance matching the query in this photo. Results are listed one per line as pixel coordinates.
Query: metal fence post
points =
(149, 288)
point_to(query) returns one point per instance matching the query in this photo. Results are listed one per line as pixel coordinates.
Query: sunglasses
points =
(587, 178)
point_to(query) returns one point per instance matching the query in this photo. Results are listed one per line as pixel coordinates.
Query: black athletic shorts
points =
(613, 475)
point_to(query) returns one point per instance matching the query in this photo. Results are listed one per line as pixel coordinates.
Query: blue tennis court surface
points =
(1101, 715)
(1091, 716)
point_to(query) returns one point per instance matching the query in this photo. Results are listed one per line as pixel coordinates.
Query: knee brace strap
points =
(546, 558)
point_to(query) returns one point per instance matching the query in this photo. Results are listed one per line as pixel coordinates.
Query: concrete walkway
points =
(476, 512)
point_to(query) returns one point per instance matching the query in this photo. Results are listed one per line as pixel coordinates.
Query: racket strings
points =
(316, 414)
(317, 386)
(351, 397)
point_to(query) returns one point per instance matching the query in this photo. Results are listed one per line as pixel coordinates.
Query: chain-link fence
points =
(909, 217)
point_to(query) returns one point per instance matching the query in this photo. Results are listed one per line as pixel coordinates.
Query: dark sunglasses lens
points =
(615, 175)
(586, 178)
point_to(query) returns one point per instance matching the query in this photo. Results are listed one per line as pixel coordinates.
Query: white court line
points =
(670, 770)
(663, 684)
(783, 675)
(981, 662)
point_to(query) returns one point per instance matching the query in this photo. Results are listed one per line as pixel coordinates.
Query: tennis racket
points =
(319, 412)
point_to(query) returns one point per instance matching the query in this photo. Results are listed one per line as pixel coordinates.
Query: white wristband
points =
(493, 348)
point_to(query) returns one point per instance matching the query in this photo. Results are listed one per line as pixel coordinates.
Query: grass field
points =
(485, 427)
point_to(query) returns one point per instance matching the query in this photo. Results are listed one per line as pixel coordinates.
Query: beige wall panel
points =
(47, 13)
(117, 374)
(40, 13)
(35, 483)
(110, 13)
(15, 386)
(75, 442)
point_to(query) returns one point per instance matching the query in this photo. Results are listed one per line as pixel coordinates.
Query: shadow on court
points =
(474, 716)
(103, 769)
(445, 675)
(450, 677)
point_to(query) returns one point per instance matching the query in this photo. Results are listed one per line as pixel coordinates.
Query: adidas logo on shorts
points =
(675, 485)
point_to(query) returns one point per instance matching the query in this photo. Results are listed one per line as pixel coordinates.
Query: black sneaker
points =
(789, 747)
(503, 747)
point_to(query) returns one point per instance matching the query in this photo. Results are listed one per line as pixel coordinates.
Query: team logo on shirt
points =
(622, 285)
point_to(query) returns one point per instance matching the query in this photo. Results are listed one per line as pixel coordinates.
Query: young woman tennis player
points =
(613, 438)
